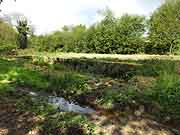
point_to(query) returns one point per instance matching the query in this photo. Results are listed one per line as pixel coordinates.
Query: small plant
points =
(39, 61)
(64, 121)
(122, 97)
(36, 105)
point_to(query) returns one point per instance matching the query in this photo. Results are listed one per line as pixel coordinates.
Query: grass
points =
(135, 57)
(15, 74)
(161, 92)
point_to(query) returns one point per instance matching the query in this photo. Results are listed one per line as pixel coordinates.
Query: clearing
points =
(130, 95)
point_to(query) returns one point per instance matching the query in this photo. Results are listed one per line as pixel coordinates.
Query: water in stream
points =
(67, 106)
(63, 105)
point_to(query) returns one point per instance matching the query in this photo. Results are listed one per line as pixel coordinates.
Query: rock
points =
(167, 119)
(142, 108)
(138, 113)
(124, 120)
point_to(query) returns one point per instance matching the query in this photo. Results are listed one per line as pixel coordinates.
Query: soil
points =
(15, 122)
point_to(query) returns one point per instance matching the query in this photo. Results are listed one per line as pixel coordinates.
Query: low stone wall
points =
(106, 68)
(112, 68)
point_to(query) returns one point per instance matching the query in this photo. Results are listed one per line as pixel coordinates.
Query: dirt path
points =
(112, 124)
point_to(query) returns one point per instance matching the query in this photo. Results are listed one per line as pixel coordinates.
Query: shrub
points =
(166, 90)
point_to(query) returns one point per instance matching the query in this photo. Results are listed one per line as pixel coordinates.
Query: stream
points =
(61, 104)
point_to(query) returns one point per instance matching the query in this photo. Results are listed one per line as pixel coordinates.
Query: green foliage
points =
(163, 94)
(120, 36)
(30, 79)
(111, 35)
(15, 73)
(130, 34)
(166, 90)
(65, 121)
(164, 28)
(123, 35)
(68, 84)
(123, 97)
(66, 40)
(38, 106)
(7, 38)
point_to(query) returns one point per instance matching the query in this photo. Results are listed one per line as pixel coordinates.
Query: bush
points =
(7, 38)
(66, 122)
(166, 90)
(7, 48)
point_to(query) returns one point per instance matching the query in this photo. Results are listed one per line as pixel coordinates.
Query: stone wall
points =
(103, 67)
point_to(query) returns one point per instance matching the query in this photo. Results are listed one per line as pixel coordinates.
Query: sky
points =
(51, 15)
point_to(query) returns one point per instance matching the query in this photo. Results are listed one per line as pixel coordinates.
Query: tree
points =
(7, 37)
(129, 34)
(164, 27)
(111, 35)
(117, 35)
(23, 31)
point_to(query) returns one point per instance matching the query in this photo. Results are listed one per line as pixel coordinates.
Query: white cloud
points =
(130, 6)
(50, 15)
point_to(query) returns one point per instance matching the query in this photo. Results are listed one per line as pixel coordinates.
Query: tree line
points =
(128, 34)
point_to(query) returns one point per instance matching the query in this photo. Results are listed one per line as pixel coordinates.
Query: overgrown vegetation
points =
(7, 43)
(17, 75)
(148, 88)
(158, 96)
(164, 89)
